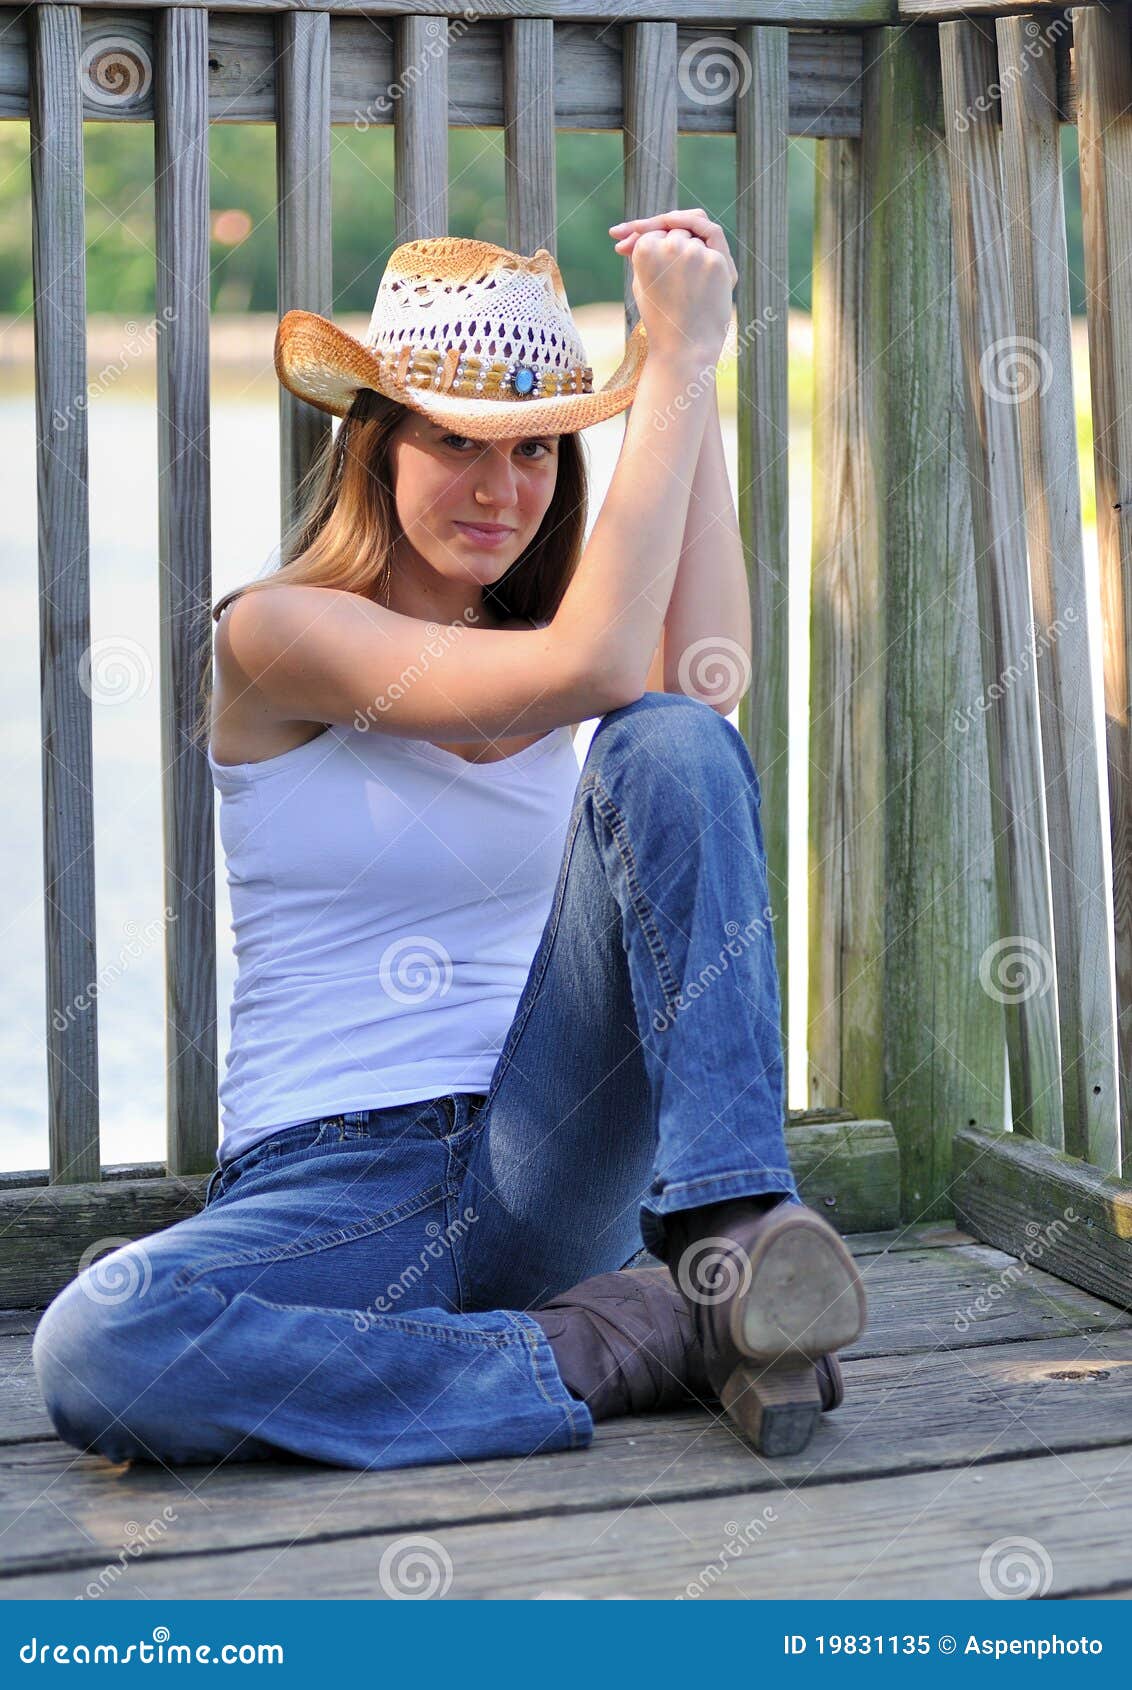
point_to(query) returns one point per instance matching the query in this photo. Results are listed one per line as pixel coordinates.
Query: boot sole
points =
(804, 1298)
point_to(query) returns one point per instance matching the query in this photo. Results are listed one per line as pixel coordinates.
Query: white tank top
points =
(387, 900)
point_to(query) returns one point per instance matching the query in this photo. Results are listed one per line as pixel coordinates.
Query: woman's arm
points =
(707, 630)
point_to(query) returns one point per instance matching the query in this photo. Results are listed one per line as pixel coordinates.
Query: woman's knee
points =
(664, 732)
(100, 1355)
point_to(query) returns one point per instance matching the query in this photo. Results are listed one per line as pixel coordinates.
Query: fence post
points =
(902, 871)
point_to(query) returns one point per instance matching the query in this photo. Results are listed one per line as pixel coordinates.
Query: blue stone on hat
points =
(524, 379)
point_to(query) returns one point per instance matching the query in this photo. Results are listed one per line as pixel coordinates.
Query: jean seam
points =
(387, 1322)
(619, 833)
(683, 1185)
(328, 1240)
(536, 1342)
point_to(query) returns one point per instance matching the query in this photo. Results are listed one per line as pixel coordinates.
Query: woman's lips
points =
(490, 534)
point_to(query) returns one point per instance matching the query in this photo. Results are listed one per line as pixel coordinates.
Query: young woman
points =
(494, 1024)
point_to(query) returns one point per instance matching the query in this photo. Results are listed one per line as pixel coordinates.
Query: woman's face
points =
(445, 484)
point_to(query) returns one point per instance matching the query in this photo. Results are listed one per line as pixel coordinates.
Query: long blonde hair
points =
(347, 528)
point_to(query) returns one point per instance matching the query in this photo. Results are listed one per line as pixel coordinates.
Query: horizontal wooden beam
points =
(243, 64)
(847, 1170)
(935, 11)
(808, 14)
(1046, 1208)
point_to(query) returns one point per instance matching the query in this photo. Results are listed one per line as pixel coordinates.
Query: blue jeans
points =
(355, 1289)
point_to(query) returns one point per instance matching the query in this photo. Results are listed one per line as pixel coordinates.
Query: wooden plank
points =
(807, 14)
(1018, 969)
(934, 11)
(824, 73)
(69, 665)
(848, 1170)
(44, 1230)
(762, 306)
(1032, 1201)
(1035, 373)
(971, 1295)
(185, 582)
(530, 161)
(649, 130)
(922, 1535)
(305, 246)
(1103, 50)
(924, 1235)
(899, 1416)
(420, 167)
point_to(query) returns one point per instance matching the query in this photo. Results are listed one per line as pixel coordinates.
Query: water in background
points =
(127, 789)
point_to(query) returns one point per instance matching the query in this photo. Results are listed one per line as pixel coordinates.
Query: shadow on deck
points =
(984, 1447)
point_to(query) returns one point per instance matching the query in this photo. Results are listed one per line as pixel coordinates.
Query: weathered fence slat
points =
(185, 581)
(1103, 50)
(1036, 374)
(530, 138)
(986, 322)
(302, 180)
(67, 664)
(420, 166)
(762, 328)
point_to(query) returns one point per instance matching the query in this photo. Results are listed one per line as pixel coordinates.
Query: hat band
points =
(466, 376)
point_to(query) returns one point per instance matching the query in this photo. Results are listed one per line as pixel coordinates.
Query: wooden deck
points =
(964, 1424)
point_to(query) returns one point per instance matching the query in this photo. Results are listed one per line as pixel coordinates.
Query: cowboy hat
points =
(473, 336)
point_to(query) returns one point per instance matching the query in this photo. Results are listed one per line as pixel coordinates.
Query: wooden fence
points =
(961, 903)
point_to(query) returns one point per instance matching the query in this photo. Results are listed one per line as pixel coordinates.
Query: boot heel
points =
(777, 1405)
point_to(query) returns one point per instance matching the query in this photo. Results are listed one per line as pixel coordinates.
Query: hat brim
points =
(319, 362)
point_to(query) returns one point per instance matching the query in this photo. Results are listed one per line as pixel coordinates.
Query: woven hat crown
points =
(447, 294)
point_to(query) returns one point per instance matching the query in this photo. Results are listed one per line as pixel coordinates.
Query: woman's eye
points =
(460, 440)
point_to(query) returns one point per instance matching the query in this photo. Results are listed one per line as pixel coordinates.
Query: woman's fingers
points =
(695, 221)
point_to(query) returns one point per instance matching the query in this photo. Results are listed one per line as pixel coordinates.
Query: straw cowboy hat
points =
(473, 336)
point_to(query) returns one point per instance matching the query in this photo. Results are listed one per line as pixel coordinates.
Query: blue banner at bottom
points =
(393, 1642)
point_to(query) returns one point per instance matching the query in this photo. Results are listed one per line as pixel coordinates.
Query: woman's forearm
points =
(613, 610)
(707, 629)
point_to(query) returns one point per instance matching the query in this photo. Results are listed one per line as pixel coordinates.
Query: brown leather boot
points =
(626, 1343)
(773, 1291)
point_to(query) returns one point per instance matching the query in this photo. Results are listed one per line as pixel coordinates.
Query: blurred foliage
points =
(120, 210)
